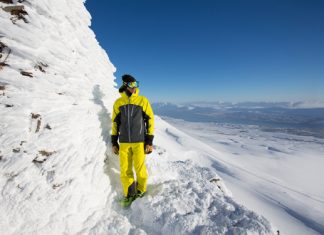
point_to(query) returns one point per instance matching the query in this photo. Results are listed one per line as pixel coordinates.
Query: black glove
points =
(148, 144)
(115, 145)
(149, 139)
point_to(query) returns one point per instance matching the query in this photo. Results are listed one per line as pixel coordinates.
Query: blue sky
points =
(215, 50)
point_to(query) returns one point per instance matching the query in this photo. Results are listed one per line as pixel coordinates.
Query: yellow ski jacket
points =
(132, 119)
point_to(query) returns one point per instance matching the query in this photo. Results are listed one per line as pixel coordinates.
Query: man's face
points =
(131, 90)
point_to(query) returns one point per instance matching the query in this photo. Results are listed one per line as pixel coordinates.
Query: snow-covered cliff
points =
(53, 117)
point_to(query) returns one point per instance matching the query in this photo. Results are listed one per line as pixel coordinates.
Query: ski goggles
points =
(132, 84)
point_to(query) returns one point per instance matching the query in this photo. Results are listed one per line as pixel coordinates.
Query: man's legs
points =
(126, 169)
(139, 165)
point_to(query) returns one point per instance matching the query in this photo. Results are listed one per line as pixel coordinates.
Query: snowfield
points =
(278, 175)
(57, 172)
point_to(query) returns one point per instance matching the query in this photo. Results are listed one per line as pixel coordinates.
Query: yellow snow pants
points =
(132, 155)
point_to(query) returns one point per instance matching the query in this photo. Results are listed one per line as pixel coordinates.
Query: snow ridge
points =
(50, 106)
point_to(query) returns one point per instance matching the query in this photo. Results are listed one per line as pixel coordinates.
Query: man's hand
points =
(115, 149)
(114, 143)
(148, 149)
(148, 144)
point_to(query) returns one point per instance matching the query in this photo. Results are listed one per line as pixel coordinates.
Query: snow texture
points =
(278, 175)
(56, 94)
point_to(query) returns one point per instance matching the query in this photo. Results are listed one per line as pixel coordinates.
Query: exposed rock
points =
(39, 122)
(55, 186)
(35, 115)
(39, 159)
(4, 54)
(2, 64)
(46, 153)
(6, 1)
(28, 74)
(40, 66)
(22, 142)
(16, 150)
(48, 127)
(15, 10)
(18, 12)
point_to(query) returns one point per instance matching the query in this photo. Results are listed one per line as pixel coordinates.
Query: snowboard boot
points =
(127, 201)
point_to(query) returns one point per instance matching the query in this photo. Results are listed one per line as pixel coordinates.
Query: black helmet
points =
(126, 79)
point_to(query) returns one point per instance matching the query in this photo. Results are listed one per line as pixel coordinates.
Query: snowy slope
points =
(56, 91)
(278, 175)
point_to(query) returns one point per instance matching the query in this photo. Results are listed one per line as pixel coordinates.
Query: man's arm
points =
(149, 116)
(115, 128)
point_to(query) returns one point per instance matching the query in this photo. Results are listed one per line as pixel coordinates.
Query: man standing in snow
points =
(133, 125)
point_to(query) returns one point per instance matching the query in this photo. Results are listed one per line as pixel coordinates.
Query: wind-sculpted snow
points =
(51, 140)
(193, 202)
(56, 94)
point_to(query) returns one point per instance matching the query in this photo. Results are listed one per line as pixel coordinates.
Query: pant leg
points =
(139, 165)
(126, 168)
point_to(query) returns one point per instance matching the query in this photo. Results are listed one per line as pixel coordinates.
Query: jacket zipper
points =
(129, 131)
(141, 126)
(132, 110)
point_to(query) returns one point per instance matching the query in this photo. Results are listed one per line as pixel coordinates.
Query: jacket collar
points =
(135, 94)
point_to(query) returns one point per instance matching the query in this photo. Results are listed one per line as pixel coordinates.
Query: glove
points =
(148, 144)
(115, 149)
(115, 145)
(148, 149)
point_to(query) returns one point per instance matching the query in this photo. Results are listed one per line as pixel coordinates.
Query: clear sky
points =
(215, 50)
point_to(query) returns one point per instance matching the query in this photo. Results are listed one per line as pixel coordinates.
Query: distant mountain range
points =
(298, 118)
(249, 105)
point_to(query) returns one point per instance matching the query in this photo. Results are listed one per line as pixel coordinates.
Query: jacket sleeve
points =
(149, 120)
(115, 123)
